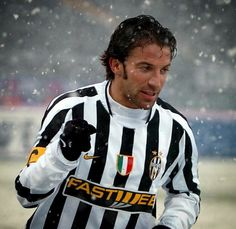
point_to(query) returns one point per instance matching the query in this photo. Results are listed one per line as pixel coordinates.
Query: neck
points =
(116, 108)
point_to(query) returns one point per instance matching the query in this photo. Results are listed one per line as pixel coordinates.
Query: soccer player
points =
(103, 151)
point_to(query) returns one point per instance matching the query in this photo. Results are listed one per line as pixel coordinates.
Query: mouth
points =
(149, 95)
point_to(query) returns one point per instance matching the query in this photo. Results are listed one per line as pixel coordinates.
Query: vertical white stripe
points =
(165, 133)
(114, 144)
(121, 220)
(68, 213)
(90, 110)
(95, 217)
(145, 221)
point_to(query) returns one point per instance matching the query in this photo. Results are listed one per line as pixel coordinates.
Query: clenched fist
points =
(76, 138)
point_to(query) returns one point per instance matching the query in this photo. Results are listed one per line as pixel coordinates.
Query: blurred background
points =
(48, 47)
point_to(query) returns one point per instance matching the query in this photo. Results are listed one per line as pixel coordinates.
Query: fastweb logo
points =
(113, 198)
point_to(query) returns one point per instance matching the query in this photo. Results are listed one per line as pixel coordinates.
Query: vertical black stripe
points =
(98, 165)
(109, 217)
(55, 211)
(52, 128)
(90, 91)
(27, 226)
(101, 146)
(152, 145)
(177, 133)
(132, 221)
(169, 185)
(126, 149)
(82, 215)
(78, 111)
(188, 175)
(154, 210)
(56, 208)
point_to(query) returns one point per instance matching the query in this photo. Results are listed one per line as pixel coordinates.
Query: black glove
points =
(161, 227)
(76, 138)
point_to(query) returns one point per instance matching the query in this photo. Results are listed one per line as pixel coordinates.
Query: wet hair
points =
(136, 32)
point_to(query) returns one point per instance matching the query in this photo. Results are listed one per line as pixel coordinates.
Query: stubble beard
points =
(133, 99)
(137, 104)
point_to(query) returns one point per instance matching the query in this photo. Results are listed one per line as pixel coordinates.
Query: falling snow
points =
(47, 49)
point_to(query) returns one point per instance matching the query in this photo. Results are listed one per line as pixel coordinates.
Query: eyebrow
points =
(147, 63)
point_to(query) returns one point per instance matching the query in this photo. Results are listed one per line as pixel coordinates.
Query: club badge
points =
(155, 165)
(124, 164)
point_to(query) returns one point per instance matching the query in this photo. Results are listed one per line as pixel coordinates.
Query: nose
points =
(156, 80)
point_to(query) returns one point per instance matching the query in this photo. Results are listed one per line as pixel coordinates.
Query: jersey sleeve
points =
(46, 167)
(182, 202)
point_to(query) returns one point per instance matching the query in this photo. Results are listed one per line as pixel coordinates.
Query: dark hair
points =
(136, 32)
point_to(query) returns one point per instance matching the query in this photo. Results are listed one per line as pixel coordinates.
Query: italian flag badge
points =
(124, 164)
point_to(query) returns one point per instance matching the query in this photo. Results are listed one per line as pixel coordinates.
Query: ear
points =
(115, 66)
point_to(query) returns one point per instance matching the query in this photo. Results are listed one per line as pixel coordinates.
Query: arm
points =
(46, 166)
(183, 194)
(53, 157)
(39, 179)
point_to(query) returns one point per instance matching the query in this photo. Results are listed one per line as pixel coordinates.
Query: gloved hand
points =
(161, 227)
(76, 138)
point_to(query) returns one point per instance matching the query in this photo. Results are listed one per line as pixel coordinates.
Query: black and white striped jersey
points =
(115, 184)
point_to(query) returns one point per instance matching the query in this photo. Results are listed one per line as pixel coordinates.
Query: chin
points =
(147, 106)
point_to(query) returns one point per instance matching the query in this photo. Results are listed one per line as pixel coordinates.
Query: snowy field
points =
(218, 184)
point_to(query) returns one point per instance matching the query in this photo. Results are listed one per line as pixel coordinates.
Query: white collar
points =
(120, 110)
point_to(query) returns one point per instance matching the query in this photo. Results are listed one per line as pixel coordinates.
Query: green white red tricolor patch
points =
(124, 164)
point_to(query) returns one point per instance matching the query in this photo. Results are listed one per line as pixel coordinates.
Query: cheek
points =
(135, 80)
(139, 78)
(129, 87)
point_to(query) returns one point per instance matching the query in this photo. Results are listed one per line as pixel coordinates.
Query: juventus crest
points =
(155, 165)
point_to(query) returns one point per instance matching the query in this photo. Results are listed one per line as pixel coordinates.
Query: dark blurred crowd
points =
(18, 92)
(47, 47)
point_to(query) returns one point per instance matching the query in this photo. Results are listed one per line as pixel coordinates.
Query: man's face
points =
(139, 80)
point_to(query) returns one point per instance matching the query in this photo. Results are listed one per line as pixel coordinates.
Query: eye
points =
(145, 68)
(164, 71)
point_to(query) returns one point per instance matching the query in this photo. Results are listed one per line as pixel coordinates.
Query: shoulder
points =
(66, 101)
(167, 107)
(73, 97)
(168, 111)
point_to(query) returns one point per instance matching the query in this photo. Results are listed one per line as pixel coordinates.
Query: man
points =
(103, 151)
